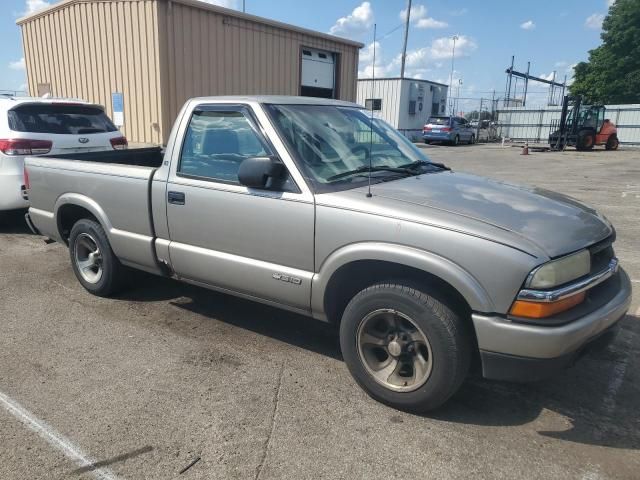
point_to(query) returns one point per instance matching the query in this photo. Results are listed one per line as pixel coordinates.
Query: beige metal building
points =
(158, 53)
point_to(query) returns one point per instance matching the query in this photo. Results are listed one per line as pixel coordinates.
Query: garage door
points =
(318, 73)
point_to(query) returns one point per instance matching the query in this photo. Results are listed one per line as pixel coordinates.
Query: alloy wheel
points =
(88, 258)
(394, 350)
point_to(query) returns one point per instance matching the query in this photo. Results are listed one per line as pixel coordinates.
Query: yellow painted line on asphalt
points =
(55, 439)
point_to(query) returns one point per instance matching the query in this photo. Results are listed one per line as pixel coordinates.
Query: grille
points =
(601, 254)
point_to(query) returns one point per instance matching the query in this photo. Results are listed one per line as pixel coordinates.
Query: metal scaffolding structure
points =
(511, 97)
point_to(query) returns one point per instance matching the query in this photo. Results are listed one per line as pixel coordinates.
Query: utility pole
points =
(453, 56)
(243, 6)
(493, 105)
(551, 90)
(479, 120)
(406, 36)
(526, 85)
(509, 78)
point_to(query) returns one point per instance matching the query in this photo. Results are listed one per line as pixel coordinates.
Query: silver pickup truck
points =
(313, 206)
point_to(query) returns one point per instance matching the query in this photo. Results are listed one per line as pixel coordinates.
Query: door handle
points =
(176, 198)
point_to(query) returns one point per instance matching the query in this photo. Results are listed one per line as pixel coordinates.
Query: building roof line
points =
(203, 6)
(403, 78)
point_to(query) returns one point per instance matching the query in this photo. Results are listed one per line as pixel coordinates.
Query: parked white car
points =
(41, 126)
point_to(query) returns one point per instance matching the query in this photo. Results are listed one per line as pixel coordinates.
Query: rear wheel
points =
(95, 265)
(612, 143)
(586, 141)
(403, 347)
(456, 140)
(472, 140)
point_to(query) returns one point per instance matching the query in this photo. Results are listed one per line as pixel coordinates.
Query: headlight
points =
(561, 271)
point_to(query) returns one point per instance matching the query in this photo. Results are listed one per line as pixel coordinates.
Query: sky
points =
(551, 34)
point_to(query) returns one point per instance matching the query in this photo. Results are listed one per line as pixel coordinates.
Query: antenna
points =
(373, 84)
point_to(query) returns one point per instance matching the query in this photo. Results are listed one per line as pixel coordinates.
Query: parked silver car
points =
(453, 130)
(308, 205)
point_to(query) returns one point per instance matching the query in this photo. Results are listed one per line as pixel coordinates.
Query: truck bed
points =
(112, 186)
(142, 157)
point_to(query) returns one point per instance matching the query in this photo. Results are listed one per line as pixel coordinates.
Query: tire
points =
(427, 142)
(612, 143)
(585, 142)
(95, 265)
(422, 378)
(472, 140)
(456, 140)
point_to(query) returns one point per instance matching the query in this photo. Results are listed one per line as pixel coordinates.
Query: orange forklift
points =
(583, 127)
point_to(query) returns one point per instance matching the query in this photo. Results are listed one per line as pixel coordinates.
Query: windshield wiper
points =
(365, 169)
(420, 163)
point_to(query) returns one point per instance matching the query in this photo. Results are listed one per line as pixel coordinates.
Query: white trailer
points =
(405, 103)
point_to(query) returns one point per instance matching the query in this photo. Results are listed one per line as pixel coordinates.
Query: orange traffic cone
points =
(525, 149)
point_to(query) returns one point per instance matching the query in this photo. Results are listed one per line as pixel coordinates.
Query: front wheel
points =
(404, 348)
(585, 142)
(612, 143)
(472, 140)
(95, 265)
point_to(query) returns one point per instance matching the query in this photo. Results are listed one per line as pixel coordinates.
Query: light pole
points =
(453, 56)
(457, 96)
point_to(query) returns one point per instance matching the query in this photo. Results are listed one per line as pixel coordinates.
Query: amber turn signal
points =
(523, 308)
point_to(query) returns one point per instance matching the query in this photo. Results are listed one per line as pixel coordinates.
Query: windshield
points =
(332, 145)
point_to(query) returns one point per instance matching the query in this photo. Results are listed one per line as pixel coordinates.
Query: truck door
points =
(257, 243)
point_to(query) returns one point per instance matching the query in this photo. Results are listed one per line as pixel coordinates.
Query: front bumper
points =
(519, 351)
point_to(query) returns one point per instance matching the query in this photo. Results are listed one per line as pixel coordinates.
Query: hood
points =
(555, 223)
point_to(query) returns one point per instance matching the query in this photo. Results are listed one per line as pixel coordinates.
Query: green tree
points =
(612, 74)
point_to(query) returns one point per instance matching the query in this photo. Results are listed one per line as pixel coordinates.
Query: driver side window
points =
(215, 144)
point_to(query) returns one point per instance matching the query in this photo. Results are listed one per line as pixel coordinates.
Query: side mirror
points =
(260, 172)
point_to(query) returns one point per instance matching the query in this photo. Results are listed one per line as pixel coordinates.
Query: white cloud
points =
(366, 54)
(431, 23)
(18, 65)
(418, 62)
(358, 21)
(610, 3)
(594, 21)
(417, 12)
(366, 70)
(419, 18)
(442, 47)
(548, 77)
(233, 4)
(33, 6)
(528, 25)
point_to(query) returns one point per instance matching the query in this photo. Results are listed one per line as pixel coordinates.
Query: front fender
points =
(460, 279)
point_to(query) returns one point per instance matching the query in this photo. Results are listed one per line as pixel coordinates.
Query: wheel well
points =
(348, 280)
(67, 217)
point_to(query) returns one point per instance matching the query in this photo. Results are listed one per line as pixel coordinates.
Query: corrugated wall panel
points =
(389, 91)
(160, 53)
(89, 50)
(211, 53)
(535, 124)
